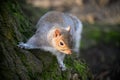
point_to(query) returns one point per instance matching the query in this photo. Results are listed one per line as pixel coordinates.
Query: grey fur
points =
(44, 25)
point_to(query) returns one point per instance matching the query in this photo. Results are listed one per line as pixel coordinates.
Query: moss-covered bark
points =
(19, 64)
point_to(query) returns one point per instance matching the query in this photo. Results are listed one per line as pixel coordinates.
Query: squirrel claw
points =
(63, 68)
(21, 45)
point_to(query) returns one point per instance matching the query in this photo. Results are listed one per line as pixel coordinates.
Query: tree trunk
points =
(20, 64)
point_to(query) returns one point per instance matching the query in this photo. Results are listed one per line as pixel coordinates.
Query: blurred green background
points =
(100, 43)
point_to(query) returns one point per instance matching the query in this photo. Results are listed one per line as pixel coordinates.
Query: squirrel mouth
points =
(67, 52)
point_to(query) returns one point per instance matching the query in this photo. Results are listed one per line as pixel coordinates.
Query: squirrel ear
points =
(68, 28)
(57, 33)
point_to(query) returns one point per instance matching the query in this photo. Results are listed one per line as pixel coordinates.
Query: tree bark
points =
(20, 64)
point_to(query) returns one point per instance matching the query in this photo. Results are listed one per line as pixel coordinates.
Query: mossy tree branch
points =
(20, 64)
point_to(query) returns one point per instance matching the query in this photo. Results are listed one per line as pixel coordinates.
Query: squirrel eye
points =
(61, 43)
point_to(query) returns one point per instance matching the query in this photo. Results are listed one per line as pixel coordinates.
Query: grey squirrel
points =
(58, 33)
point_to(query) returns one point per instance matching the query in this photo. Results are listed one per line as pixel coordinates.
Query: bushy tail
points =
(77, 34)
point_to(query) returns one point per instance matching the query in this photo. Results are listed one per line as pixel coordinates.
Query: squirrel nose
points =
(69, 52)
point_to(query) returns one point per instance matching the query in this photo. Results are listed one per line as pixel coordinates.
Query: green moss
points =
(82, 69)
(15, 21)
(78, 66)
(53, 73)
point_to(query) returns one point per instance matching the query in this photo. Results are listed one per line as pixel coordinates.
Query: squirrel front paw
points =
(63, 67)
(21, 45)
(25, 45)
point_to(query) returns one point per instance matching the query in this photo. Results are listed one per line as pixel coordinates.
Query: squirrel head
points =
(61, 40)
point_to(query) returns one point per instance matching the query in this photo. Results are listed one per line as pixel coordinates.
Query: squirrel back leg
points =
(78, 37)
(77, 44)
(77, 33)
